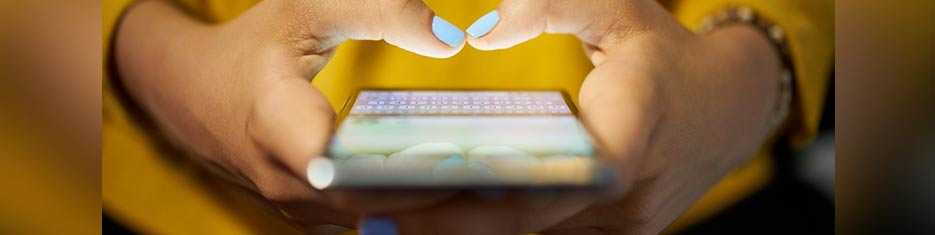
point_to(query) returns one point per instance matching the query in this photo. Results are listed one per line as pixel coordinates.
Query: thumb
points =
(620, 104)
(291, 121)
(517, 21)
(408, 24)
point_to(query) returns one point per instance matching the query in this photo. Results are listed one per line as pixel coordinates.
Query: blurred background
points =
(50, 117)
(874, 159)
(885, 115)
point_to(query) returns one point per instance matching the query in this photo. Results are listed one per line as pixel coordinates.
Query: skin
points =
(685, 108)
(674, 130)
(237, 95)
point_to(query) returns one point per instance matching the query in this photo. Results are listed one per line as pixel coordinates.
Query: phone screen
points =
(458, 139)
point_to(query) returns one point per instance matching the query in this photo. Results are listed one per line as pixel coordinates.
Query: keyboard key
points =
(460, 103)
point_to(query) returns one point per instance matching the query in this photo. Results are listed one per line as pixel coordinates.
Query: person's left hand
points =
(236, 96)
(675, 111)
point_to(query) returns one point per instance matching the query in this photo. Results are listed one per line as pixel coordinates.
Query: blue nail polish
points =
(378, 226)
(447, 32)
(484, 24)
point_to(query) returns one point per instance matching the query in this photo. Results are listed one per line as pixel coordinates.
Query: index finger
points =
(408, 24)
(594, 22)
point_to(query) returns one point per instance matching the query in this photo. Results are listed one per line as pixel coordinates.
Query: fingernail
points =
(320, 172)
(447, 32)
(484, 24)
(377, 226)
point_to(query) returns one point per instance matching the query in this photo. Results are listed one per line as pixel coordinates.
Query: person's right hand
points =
(673, 111)
(238, 96)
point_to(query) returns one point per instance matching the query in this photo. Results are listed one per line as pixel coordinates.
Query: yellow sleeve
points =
(146, 185)
(809, 25)
(111, 10)
(810, 34)
(217, 10)
(213, 10)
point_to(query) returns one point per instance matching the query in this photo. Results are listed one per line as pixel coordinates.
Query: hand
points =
(674, 111)
(238, 96)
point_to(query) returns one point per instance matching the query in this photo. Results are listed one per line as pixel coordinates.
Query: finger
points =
(594, 54)
(290, 123)
(619, 104)
(514, 213)
(408, 24)
(293, 122)
(591, 21)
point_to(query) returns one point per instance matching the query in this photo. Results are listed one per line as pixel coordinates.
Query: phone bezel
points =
(604, 175)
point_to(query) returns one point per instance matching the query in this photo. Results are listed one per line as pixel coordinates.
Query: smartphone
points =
(459, 139)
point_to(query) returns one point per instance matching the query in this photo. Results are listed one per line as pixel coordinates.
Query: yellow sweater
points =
(146, 185)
